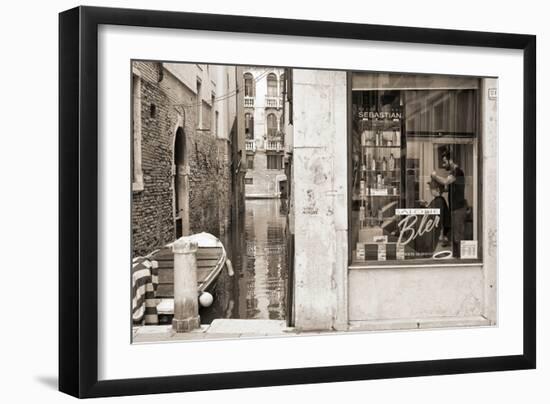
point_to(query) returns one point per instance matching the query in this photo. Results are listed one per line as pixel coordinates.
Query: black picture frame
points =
(78, 196)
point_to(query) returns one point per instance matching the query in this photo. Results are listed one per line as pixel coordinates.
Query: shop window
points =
(415, 169)
(274, 162)
(249, 181)
(250, 162)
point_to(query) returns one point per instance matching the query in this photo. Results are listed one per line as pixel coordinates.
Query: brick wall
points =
(208, 159)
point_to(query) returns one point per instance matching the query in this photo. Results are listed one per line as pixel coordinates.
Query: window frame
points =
(275, 129)
(137, 170)
(199, 103)
(272, 89)
(477, 188)
(249, 124)
(249, 76)
(278, 158)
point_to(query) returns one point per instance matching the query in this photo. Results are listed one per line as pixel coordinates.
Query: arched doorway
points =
(181, 185)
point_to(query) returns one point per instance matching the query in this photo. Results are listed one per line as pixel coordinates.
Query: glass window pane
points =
(271, 85)
(414, 169)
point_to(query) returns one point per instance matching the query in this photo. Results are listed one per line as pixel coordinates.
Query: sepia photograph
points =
(273, 201)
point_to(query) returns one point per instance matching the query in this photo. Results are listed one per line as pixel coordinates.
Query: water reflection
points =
(259, 288)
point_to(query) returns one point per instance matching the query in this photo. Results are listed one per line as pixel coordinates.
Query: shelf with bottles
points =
(382, 163)
(385, 137)
(383, 147)
(357, 197)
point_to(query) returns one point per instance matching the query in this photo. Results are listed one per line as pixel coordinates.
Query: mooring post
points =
(186, 306)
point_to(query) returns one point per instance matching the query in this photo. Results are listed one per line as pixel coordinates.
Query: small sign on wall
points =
(492, 93)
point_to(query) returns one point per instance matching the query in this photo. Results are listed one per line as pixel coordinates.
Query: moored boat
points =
(153, 297)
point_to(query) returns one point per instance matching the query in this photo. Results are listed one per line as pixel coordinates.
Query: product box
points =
(382, 251)
(360, 251)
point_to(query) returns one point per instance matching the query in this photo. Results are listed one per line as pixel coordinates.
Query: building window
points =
(137, 173)
(271, 126)
(274, 161)
(213, 113)
(249, 85)
(415, 168)
(272, 85)
(250, 162)
(217, 123)
(282, 85)
(199, 104)
(249, 126)
(249, 181)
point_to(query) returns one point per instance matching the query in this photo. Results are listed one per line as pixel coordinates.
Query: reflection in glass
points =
(414, 165)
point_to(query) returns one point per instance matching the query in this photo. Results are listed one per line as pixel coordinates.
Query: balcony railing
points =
(274, 145)
(250, 145)
(273, 102)
(249, 102)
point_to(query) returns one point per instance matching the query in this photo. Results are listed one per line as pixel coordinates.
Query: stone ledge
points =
(424, 323)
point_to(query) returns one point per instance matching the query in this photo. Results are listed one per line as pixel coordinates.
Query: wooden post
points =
(186, 306)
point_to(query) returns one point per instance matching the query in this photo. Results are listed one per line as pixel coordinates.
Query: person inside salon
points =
(457, 203)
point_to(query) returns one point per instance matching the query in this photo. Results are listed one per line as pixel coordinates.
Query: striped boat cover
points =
(144, 285)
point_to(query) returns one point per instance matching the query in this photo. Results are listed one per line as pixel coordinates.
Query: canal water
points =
(259, 287)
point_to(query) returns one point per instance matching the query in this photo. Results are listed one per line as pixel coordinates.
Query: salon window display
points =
(414, 169)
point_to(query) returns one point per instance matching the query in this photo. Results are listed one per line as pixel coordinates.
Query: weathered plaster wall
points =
(415, 293)
(320, 199)
(489, 213)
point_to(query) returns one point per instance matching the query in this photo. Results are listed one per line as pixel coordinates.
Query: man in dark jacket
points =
(455, 183)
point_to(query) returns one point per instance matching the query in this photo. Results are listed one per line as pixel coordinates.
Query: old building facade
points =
(264, 132)
(348, 273)
(186, 140)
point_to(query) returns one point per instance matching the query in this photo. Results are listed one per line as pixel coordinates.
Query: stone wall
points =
(319, 199)
(264, 181)
(207, 156)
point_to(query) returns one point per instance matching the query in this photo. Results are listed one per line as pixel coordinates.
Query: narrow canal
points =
(259, 288)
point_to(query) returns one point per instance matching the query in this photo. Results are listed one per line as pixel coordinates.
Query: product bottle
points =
(369, 217)
(391, 163)
(373, 164)
(384, 164)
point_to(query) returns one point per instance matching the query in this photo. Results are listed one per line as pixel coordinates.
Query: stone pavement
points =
(219, 329)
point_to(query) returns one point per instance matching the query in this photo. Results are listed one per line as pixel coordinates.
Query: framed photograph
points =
(251, 201)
